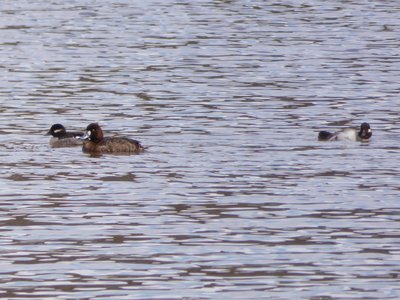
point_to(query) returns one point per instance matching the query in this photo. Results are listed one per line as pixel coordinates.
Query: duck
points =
(63, 138)
(363, 134)
(94, 142)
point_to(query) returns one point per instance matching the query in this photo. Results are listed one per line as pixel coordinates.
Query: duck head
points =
(93, 133)
(365, 131)
(57, 130)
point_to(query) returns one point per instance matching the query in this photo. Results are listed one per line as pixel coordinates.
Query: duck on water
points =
(95, 142)
(362, 134)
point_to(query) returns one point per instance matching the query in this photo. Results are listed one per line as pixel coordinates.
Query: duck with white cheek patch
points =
(363, 134)
(95, 142)
(63, 138)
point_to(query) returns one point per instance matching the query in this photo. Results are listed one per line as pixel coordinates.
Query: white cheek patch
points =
(89, 133)
(57, 130)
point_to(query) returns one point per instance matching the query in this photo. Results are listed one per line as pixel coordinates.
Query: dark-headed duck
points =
(62, 138)
(349, 134)
(95, 142)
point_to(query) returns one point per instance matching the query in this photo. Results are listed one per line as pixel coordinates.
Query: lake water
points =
(234, 197)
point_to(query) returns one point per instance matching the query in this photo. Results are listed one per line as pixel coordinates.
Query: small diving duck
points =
(348, 134)
(62, 138)
(95, 143)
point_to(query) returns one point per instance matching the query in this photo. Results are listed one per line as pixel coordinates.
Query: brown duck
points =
(95, 142)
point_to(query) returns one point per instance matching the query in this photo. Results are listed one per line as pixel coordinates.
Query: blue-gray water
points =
(234, 197)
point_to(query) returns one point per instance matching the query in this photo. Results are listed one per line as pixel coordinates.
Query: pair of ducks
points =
(93, 141)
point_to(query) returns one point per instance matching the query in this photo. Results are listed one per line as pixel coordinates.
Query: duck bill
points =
(84, 137)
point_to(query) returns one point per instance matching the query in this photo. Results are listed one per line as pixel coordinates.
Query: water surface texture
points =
(234, 197)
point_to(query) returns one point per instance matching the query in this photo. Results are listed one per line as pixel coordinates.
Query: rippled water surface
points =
(234, 197)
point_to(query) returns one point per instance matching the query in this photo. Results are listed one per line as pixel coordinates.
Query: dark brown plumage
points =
(96, 143)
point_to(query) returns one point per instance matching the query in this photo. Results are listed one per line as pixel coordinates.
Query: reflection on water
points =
(234, 196)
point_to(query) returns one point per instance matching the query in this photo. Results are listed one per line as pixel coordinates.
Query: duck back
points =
(113, 145)
(348, 134)
(65, 142)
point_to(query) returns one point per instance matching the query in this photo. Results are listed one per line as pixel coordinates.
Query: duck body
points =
(95, 142)
(113, 145)
(63, 138)
(363, 134)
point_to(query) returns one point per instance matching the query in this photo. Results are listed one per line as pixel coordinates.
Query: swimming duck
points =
(349, 134)
(95, 142)
(62, 138)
